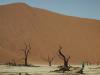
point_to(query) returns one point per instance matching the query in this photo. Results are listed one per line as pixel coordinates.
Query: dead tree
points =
(81, 70)
(14, 62)
(11, 63)
(49, 60)
(26, 53)
(65, 60)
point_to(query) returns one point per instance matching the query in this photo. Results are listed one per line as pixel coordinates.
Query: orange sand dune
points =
(45, 30)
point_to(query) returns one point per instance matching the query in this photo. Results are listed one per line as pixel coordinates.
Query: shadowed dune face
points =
(19, 23)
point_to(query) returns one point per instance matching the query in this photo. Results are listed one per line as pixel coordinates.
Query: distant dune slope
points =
(45, 30)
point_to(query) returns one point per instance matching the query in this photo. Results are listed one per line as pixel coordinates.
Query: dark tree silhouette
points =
(49, 60)
(65, 60)
(11, 63)
(81, 70)
(26, 51)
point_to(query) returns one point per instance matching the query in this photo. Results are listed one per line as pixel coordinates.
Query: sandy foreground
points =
(44, 70)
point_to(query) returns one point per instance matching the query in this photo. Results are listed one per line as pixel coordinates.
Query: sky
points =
(80, 8)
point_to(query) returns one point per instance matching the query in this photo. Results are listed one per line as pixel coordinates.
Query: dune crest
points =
(45, 30)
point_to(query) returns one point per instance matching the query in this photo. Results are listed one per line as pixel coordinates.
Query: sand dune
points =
(45, 30)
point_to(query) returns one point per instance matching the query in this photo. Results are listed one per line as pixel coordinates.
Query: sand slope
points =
(46, 30)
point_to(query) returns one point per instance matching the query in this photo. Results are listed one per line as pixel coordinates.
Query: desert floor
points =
(44, 70)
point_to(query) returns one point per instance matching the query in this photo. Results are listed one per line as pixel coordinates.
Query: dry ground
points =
(44, 70)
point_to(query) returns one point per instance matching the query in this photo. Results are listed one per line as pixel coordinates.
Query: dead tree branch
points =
(26, 51)
(65, 60)
(49, 60)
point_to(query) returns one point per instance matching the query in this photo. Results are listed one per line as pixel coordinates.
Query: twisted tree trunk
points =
(65, 60)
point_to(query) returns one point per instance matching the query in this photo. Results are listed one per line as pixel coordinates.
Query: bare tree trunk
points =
(65, 60)
(50, 63)
(26, 62)
(49, 60)
(26, 53)
(81, 70)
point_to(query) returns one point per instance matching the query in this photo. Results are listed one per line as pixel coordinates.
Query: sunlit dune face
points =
(46, 31)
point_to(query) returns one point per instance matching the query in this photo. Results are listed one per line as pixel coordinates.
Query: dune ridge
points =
(45, 30)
